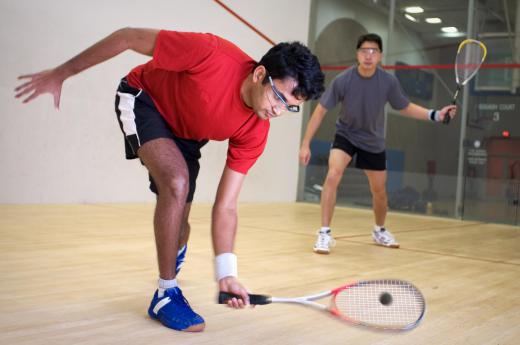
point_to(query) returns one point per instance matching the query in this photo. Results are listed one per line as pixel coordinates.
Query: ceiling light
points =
(414, 9)
(449, 29)
(433, 20)
(409, 17)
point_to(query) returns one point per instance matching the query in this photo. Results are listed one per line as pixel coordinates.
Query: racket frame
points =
(461, 45)
(334, 311)
(331, 307)
(460, 84)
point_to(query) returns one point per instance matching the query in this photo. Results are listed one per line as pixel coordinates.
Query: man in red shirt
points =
(197, 87)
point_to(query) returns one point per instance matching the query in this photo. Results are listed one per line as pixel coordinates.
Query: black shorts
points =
(363, 159)
(140, 122)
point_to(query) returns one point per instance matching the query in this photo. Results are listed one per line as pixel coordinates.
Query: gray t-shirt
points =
(362, 119)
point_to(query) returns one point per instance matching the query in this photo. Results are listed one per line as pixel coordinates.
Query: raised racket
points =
(470, 56)
(386, 304)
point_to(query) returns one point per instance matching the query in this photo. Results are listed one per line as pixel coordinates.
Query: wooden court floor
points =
(84, 274)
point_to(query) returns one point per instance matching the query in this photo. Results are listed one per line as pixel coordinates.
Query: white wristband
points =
(226, 266)
(434, 115)
(437, 115)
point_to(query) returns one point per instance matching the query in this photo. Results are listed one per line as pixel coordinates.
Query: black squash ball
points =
(385, 298)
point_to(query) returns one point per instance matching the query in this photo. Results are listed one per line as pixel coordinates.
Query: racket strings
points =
(389, 304)
(468, 60)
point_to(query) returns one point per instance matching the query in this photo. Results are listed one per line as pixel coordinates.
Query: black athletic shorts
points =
(363, 159)
(140, 122)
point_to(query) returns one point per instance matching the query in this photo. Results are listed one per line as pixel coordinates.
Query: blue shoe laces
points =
(180, 302)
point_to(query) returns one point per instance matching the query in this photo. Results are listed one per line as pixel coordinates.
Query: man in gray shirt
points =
(363, 92)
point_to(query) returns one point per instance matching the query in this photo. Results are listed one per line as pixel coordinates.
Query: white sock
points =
(378, 228)
(325, 230)
(166, 284)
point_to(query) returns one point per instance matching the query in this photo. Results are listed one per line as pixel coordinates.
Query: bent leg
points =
(168, 168)
(338, 161)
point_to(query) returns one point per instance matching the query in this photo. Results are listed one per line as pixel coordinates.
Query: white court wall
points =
(76, 154)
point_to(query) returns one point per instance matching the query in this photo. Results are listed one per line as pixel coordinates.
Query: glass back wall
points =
(468, 169)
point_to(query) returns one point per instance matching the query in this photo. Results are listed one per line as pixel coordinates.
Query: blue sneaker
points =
(181, 256)
(174, 311)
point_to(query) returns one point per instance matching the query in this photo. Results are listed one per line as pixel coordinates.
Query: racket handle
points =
(447, 118)
(223, 297)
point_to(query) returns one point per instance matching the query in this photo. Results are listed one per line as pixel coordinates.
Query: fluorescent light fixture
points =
(449, 29)
(414, 9)
(434, 20)
(452, 34)
(409, 17)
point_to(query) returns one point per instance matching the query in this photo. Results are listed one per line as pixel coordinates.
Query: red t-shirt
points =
(194, 80)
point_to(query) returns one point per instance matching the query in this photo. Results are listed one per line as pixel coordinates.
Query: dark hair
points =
(370, 38)
(294, 60)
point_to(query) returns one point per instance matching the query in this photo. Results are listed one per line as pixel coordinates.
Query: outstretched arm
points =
(223, 231)
(417, 112)
(51, 80)
(313, 125)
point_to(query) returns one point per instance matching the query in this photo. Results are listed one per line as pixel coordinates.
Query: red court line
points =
(245, 22)
(412, 67)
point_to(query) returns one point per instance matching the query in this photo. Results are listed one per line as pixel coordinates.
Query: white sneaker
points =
(324, 242)
(384, 238)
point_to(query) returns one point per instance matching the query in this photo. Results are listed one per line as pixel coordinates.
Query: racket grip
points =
(447, 118)
(223, 297)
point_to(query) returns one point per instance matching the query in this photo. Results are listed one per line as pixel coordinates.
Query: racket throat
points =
(456, 94)
(300, 300)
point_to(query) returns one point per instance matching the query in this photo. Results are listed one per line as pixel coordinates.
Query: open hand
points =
(48, 81)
